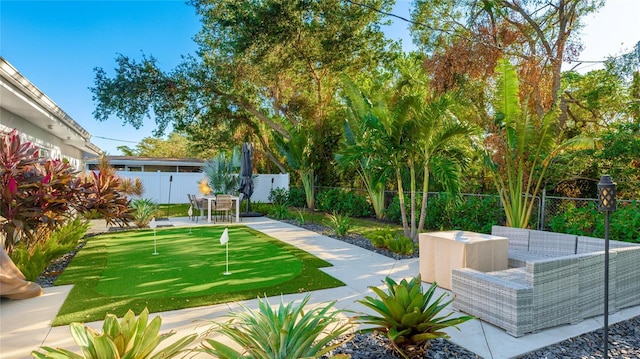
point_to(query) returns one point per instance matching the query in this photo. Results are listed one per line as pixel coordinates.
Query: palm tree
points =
(439, 142)
(520, 151)
(399, 131)
(444, 144)
(358, 150)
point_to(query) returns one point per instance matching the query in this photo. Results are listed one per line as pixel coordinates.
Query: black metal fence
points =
(545, 207)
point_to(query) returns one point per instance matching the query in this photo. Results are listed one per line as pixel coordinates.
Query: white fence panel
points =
(264, 183)
(172, 187)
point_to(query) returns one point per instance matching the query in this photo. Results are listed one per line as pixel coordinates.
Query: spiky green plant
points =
(279, 211)
(521, 152)
(301, 218)
(145, 210)
(130, 338)
(287, 332)
(220, 173)
(409, 316)
(64, 238)
(340, 224)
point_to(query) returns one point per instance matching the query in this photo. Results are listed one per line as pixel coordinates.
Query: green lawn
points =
(116, 272)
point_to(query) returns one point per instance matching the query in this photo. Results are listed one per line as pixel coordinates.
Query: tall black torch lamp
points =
(606, 203)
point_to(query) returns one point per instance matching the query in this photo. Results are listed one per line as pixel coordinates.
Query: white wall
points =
(156, 185)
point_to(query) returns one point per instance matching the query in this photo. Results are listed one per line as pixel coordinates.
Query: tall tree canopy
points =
(467, 38)
(176, 146)
(263, 67)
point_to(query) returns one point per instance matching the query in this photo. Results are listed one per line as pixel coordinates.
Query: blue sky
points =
(56, 44)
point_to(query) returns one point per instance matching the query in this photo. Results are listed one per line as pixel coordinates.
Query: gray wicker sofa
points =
(553, 279)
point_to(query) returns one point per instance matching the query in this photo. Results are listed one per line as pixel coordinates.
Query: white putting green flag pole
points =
(153, 225)
(190, 213)
(224, 239)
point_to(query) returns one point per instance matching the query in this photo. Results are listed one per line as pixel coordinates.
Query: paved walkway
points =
(25, 325)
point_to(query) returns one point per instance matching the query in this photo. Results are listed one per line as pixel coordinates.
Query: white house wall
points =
(54, 147)
(159, 189)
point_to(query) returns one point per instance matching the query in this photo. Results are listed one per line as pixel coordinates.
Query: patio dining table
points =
(211, 199)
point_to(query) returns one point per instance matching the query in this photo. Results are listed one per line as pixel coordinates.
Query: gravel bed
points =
(624, 337)
(355, 239)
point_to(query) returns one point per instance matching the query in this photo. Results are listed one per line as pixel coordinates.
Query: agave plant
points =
(130, 338)
(288, 332)
(409, 316)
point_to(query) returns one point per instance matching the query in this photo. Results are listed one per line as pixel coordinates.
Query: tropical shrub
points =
(390, 239)
(409, 316)
(379, 236)
(588, 221)
(574, 220)
(63, 239)
(297, 197)
(144, 210)
(344, 202)
(624, 223)
(401, 245)
(392, 212)
(435, 218)
(438, 209)
(105, 194)
(290, 331)
(341, 225)
(472, 213)
(279, 211)
(34, 193)
(261, 207)
(476, 214)
(279, 196)
(130, 338)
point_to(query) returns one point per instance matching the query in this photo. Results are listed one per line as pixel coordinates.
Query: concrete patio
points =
(25, 325)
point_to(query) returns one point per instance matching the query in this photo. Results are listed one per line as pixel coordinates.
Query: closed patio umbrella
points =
(246, 173)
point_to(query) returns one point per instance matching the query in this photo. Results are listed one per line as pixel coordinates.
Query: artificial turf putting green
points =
(116, 272)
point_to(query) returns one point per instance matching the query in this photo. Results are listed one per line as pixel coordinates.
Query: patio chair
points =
(196, 205)
(224, 205)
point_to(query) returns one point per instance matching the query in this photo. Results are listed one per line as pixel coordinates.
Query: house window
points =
(189, 169)
(43, 153)
(156, 168)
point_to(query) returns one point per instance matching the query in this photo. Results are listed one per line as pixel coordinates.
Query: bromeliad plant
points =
(409, 316)
(287, 332)
(130, 338)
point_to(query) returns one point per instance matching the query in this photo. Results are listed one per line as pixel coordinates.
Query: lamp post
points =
(606, 203)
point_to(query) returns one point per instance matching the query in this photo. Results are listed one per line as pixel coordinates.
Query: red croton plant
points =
(37, 193)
